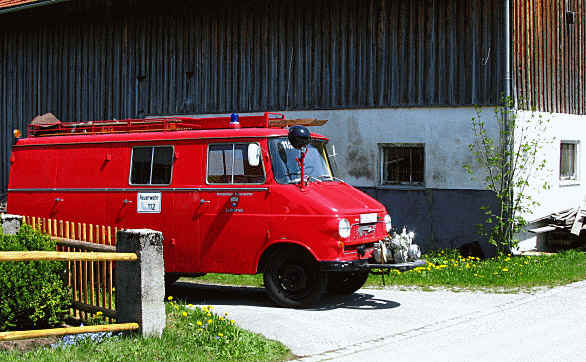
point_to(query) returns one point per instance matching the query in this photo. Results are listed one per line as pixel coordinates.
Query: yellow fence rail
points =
(12, 336)
(64, 256)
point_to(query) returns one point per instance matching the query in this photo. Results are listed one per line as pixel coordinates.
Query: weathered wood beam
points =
(65, 256)
(16, 335)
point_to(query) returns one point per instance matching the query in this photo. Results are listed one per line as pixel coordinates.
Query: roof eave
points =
(26, 6)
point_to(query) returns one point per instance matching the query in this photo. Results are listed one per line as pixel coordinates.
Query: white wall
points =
(446, 133)
(562, 194)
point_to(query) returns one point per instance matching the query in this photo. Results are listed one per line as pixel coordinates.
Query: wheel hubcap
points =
(293, 278)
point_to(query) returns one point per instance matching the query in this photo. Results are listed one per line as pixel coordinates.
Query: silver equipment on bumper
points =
(397, 249)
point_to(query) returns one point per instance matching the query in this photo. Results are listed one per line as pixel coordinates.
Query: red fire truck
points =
(240, 195)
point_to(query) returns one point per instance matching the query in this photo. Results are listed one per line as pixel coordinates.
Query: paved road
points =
(383, 325)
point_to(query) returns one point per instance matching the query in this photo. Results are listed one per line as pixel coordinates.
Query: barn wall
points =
(549, 55)
(89, 59)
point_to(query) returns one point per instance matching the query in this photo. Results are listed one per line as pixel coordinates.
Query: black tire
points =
(170, 279)
(292, 279)
(345, 283)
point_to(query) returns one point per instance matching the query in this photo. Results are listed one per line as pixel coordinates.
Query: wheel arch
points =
(281, 245)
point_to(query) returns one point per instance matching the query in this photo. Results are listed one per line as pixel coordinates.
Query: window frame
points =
(576, 178)
(382, 147)
(262, 163)
(152, 159)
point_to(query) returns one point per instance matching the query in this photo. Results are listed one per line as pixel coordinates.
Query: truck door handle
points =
(58, 199)
(202, 201)
(126, 201)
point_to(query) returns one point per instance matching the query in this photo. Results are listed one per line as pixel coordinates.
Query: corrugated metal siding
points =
(549, 55)
(87, 60)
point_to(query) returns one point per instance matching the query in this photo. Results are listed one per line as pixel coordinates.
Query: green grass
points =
(504, 273)
(448, 269)
(191, 334)
(229, 279)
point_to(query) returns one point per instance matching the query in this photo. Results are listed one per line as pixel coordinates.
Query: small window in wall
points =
(568, 160)
(402, 164)
(228, 164)
(151, 165)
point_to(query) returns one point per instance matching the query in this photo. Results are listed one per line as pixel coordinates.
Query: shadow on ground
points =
(196, 293)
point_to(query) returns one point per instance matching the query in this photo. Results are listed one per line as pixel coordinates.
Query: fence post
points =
(140, 286)
(10, 223)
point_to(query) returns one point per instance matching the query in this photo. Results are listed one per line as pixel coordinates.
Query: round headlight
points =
(344, 228)
(388, 223)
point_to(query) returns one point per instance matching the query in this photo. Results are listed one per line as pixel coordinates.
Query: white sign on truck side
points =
(148, 202)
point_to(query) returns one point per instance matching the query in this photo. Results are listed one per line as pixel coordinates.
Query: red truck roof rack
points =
(267, 120)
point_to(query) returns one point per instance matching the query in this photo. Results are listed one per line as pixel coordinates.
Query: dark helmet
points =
(299, 136)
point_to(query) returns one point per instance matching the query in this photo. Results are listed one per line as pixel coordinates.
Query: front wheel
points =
(293, 279)
(345, 283)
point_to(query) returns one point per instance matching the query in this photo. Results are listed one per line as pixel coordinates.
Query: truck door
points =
(234, 216)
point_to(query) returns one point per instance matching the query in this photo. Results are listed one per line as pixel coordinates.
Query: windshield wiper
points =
(325, 178)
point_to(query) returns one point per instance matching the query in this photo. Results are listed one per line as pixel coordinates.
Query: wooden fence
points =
(70, 257)
(91, 281)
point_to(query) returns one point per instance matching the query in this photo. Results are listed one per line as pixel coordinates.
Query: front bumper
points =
(360, 265)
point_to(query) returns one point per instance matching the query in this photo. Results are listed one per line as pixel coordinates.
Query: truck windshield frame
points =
(284, 156)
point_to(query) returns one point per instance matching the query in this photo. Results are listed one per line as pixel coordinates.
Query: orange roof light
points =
(16, 132)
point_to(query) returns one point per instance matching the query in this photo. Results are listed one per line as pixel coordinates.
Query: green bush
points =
(33, 294)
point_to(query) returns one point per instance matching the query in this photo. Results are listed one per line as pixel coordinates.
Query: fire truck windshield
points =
(284, 161)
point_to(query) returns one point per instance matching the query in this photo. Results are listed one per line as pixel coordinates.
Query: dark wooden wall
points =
(90, 59)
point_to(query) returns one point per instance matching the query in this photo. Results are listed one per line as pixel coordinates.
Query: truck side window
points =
(151, 165)
(228, 164)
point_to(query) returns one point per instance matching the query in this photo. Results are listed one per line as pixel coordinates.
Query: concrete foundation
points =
(440, 218)
(140, 286)
(10, 223)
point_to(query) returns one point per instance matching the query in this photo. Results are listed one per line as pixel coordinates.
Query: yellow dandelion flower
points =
(221, 318)
(170, 297)
(220, 334)
(210, 321)
(209, 314)
(199, 323)
(184, 314)
(176, 307)
(98, 314)
(232, 321)
(190, 305)
(505, 269)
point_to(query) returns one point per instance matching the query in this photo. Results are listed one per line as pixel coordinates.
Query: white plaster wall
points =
(446, 133)
(561, 194)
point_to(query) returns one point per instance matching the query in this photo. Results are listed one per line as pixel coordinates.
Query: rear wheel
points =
(170, 279)
(346, 282)
(293, 279)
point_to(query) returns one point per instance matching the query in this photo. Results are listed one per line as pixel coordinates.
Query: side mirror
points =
(253, 154)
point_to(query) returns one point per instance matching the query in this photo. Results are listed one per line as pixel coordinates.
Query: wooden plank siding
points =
(549, 55)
